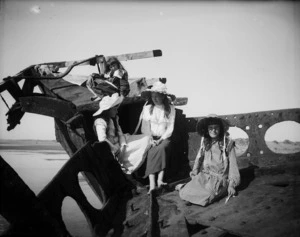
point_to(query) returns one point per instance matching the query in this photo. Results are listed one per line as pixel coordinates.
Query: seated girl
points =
(115, 75)
(129, 150)
(157, 119)
(215, 172)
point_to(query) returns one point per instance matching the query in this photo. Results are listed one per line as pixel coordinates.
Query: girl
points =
(215, 170)
(158, 119)
(129, 150)
(114, 79)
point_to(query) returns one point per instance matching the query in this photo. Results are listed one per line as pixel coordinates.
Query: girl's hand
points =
(152, 142)
(231, 190)
(116, 150)
(122, 150)
(157, 142)
(193, 173)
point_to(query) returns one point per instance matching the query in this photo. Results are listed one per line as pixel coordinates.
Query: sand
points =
(37, 162)
(266, 205)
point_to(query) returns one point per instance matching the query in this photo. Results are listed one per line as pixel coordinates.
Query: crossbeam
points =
(100, 58)
(71, 64)
(48, 106)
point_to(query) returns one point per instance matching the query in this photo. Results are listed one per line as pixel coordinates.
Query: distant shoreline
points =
(26, 140)
(284, 147)
(6, 144)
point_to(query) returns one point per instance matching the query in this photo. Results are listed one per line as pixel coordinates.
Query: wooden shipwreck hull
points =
(125, 211)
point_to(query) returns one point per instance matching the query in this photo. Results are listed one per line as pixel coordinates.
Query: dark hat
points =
(202, 125)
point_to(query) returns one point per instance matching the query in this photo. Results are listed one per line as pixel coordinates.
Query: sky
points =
(227, 57)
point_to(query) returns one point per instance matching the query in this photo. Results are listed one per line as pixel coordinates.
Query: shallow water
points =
(37, 168)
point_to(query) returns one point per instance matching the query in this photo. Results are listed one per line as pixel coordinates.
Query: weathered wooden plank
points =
(99, 59)
(3, 86)
(99, 162)
(141, 55)
(211, 231)
(14, 115)
(152, 225)
(48, 106)
(12, 86)
(78, 95)
(180, 101)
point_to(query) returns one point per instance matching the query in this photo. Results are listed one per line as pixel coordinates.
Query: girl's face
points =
(214, 130)
(113, 67)
(157, 98)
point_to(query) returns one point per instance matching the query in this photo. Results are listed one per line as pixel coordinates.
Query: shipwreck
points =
(265, 174)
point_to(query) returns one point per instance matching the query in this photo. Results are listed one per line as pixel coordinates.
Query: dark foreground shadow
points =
(247, 176)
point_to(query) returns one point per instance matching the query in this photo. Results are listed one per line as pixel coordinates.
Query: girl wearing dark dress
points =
(114, 79)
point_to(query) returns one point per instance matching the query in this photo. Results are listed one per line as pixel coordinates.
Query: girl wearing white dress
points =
(158, 119)
(129, 150)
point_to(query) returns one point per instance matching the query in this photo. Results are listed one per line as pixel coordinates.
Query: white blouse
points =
(156, 124)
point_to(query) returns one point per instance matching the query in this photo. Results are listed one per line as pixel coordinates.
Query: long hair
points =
(114, 60)
(166, 104)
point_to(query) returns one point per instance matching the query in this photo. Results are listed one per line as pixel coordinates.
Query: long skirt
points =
(203, 189)
(135, 152)
(157, 158)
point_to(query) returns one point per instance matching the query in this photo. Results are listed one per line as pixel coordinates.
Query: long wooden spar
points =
(71, 64)
(58, 91)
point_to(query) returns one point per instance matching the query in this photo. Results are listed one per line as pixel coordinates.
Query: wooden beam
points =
(180, 101)
(48, 106)
(141, 55)
(99, 59)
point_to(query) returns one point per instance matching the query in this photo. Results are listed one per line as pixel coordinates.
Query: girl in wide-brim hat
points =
(129, 150)
(215, 172)
(158, 87)
(202, 125)
(157, 118)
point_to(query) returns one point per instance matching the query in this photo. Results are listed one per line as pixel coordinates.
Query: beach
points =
(37, 162)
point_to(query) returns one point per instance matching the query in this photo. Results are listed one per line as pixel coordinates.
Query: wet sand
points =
(37, 162)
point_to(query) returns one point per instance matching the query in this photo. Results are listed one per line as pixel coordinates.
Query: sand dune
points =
(282, 147)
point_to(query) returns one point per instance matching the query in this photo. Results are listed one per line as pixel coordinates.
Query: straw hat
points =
(159, 87)
(202, 125)
(108, 102)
